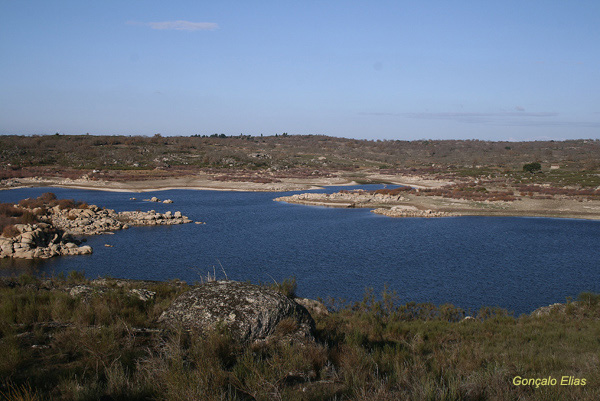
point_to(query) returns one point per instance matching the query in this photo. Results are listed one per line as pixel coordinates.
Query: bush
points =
(28, 218)
(588, 298)
(31, 203)
(66, 204)
(47, 197)
(10, 231)
(532, 167)
(287, 287)
(8, 210)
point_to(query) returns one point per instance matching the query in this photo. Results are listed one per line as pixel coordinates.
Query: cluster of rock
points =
(153, 218)
(103, 286)
(343, 199)
(410, 211)
(10, 182)
(95, 220)
(40, 240)
(155, 199)
(90, 221)
(53, 236)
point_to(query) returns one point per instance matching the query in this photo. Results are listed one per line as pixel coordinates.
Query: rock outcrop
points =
(40, 241)
(342, 199)
(95, 220)
(53, 234)
(91, 221)
(410, 211)
(547, 310)
(152, 218)
(393, 205)
(249, 312)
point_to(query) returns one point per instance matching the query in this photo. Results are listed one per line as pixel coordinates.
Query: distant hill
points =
(286, 152)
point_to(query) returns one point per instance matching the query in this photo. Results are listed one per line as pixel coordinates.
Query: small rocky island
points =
(46, 226)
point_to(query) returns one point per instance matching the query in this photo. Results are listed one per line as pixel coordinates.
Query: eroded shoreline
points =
(408, 205)
(415, 205)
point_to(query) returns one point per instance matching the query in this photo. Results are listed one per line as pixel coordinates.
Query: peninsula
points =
(463, 200)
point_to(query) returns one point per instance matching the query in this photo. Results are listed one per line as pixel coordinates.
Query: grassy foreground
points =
(106, 345)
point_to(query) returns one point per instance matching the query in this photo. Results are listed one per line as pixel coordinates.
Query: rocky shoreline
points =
(411, 211)
(53, 233)
(384, 204)
(343, 199)
(420, 203)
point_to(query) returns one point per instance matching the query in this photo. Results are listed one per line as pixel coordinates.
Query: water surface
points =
(512, 262)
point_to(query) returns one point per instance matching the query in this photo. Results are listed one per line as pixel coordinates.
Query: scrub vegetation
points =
(265, 159)
(57, 344)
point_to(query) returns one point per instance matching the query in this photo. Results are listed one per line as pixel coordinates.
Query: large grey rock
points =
(249, 312)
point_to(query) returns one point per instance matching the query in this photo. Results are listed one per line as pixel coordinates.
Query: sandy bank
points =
(203, 182)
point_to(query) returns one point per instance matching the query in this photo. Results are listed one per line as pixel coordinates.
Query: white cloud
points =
(179, 25)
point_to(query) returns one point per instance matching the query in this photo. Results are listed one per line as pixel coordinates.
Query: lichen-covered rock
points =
(249, 312)
(314, 307)
(547, 310)
(143, 294)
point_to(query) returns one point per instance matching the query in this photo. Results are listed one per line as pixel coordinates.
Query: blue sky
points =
(493, 70)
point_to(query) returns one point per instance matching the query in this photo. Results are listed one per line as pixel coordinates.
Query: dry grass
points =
(87, 347)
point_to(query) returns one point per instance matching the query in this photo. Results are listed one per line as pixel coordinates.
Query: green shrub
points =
(287, 287)
(76, 277)
(589, 299)
(532, 167)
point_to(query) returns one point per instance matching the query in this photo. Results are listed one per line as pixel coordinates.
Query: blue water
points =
(514, 263)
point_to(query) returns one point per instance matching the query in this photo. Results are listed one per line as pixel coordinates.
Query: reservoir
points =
(512, 262)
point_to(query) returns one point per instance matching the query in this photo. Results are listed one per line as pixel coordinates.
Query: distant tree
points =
(158, 139)
(532, 167)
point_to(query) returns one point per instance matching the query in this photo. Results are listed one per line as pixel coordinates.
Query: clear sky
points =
(494, 70)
